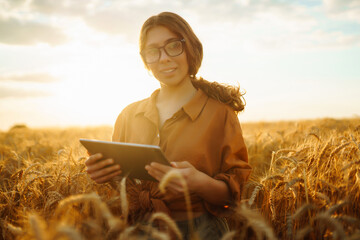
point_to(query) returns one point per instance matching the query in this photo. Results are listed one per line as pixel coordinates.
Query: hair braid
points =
(224, 93)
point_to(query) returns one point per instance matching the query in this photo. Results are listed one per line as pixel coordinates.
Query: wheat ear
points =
(124, 201)
(100, 205)
(254, 194)
(328, 220)
(315, 135)
(229, 235)
(125, 235)
(335, 207)
(336, 150)
(175, 174)
(15, 230)
(29, 168)
(67, 231)
(37, 226)
(302, 233)
(170, 222)
(257, 223)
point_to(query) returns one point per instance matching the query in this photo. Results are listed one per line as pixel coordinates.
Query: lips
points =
(168, 70)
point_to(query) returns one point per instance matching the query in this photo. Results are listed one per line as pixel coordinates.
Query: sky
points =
(77, 63)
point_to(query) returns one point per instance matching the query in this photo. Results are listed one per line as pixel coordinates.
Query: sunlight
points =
(97, 83)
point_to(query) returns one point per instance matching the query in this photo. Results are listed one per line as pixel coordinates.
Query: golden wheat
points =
(305, 185)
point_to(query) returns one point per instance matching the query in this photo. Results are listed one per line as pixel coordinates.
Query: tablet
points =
(132, 157)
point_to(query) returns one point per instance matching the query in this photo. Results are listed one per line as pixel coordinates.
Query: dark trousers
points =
(207, 226)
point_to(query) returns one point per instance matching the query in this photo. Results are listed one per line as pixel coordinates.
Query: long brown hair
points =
(227, 94)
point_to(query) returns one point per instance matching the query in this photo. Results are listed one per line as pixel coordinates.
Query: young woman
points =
(194, 122)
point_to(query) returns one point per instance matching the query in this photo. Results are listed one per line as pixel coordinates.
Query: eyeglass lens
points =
(172, 49)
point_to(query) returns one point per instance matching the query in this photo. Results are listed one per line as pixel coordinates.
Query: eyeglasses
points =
(172, 49)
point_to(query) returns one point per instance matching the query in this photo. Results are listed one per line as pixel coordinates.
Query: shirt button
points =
(158, 135)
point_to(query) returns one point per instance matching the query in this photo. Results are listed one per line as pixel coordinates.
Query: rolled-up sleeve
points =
(234, 169)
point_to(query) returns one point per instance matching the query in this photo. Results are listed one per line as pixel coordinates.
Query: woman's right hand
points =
(101, 170)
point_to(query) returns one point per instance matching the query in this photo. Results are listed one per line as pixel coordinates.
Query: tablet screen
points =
(131, 157)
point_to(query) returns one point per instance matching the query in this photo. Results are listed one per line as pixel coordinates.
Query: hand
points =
(101, 170)
(193, 177)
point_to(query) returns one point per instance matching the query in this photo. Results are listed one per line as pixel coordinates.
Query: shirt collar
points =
(193, 108)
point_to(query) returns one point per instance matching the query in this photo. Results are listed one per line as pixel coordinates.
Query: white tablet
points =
(131, 157)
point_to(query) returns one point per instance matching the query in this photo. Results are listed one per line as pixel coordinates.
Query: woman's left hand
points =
(192, 176)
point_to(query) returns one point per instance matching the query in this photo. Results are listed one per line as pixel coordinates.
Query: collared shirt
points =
(204, 132)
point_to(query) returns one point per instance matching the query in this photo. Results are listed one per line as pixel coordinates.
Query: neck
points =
(177, 93)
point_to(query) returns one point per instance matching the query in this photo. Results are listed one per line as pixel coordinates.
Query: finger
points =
(93, 158)
(155, 170)
(155, 173)
(160, 167)
(104, 171)
(99, 165)
(107, 177)
(184, 164)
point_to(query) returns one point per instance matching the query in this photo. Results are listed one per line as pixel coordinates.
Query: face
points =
(170, 71)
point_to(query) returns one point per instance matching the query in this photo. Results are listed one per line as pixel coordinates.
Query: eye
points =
(151, 51)
(173, 45)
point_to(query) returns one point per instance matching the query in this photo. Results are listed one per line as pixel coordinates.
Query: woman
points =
(193, 121)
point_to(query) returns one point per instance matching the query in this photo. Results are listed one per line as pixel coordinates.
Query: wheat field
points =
(305, 185)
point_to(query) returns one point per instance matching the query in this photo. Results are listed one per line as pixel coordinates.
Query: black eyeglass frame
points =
(143, 55)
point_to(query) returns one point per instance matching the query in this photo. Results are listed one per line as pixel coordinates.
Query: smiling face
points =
(170, 71)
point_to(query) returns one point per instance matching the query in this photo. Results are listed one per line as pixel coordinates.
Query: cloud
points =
(30, 77)
(62, 7)
(344, 10)
(16, 32)
(272, 24)
(125, 18)
(6, 92)
(58, 7)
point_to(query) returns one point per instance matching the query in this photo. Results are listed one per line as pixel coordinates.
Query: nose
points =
(163, 56)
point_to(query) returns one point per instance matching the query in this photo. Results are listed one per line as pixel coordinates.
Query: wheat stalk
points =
(271, 199)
